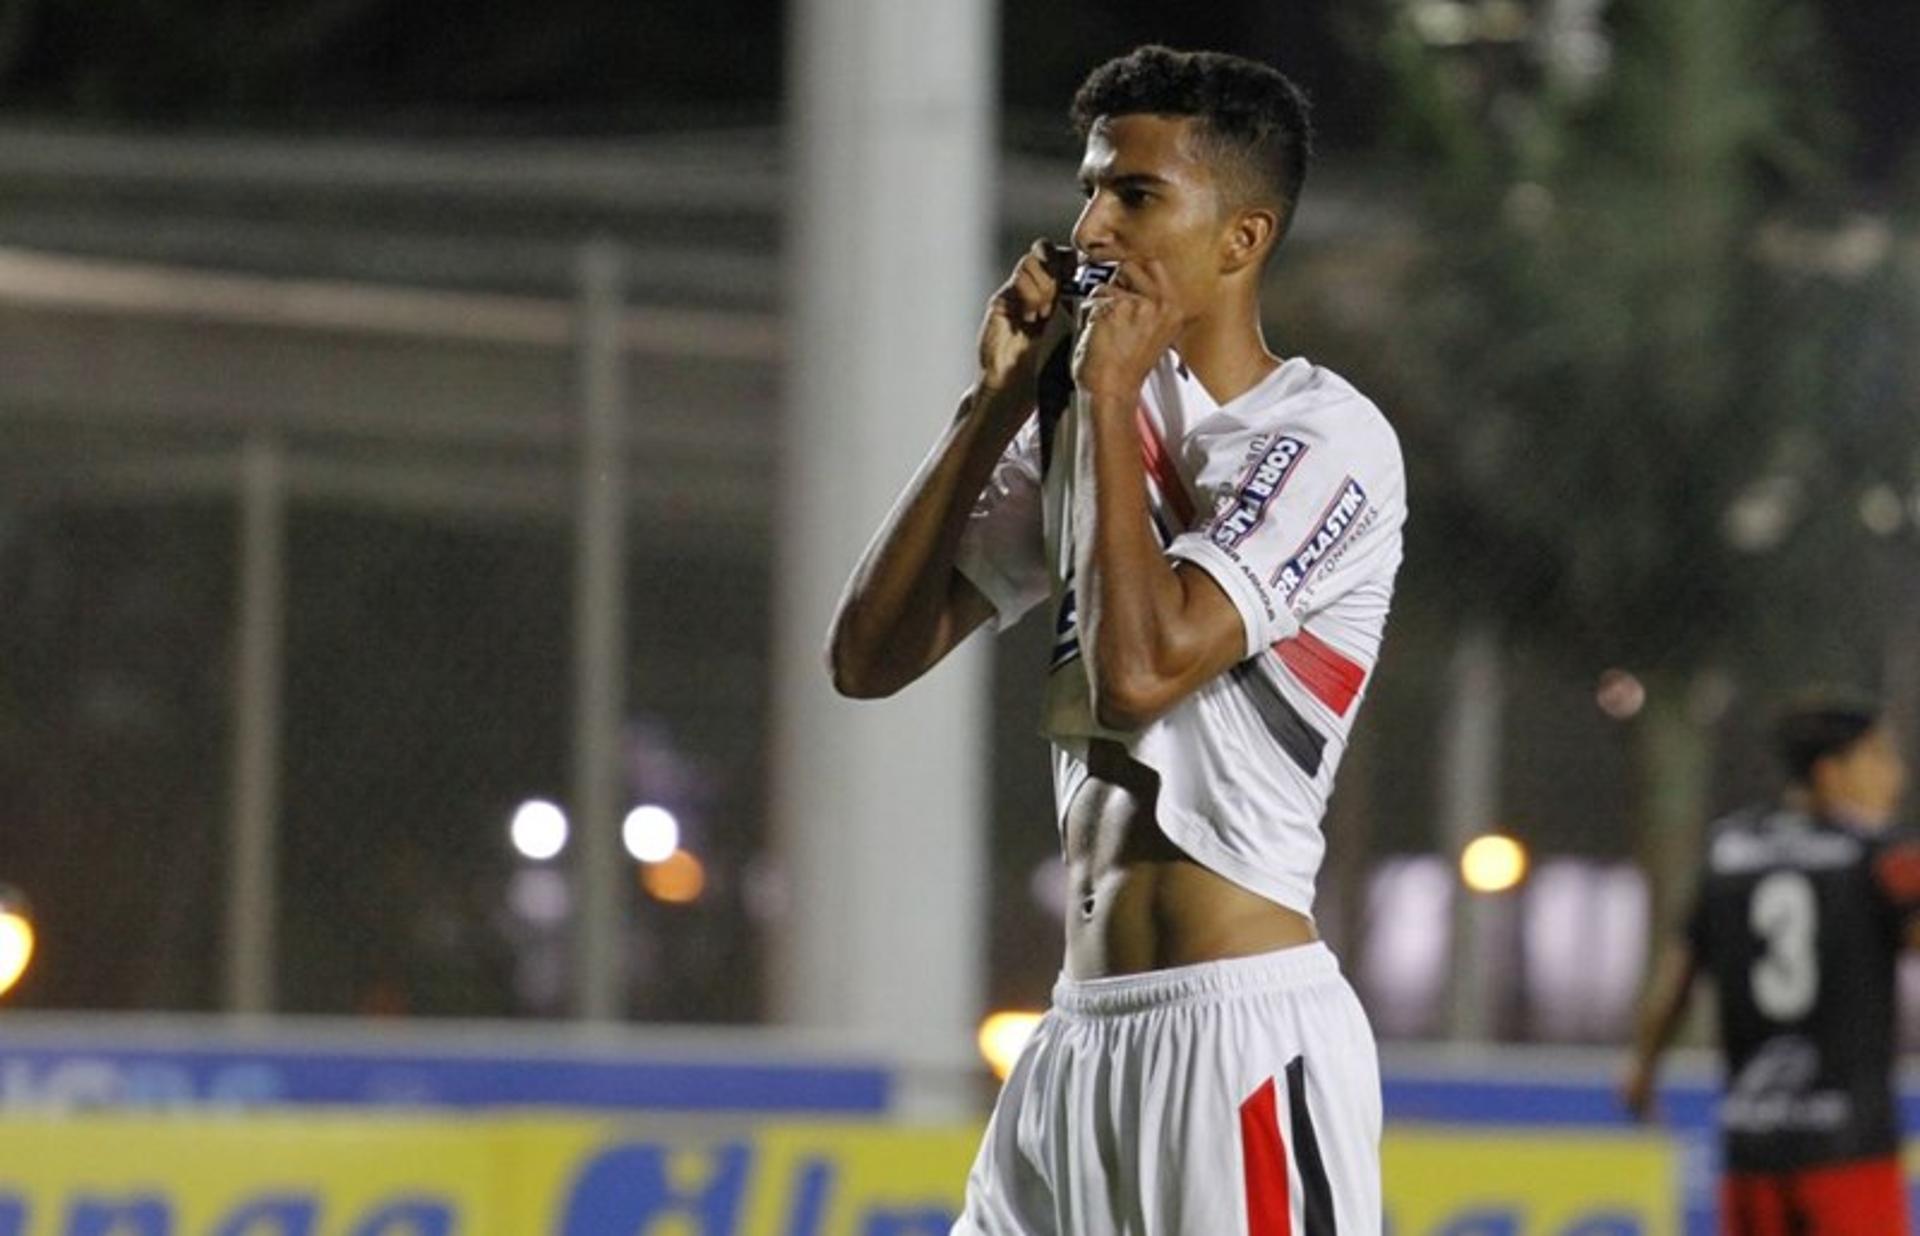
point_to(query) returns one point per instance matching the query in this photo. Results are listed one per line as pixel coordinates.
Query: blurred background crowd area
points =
(1637, 281)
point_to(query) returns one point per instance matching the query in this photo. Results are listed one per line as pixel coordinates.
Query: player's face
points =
(1870, 776)
(1149, 196)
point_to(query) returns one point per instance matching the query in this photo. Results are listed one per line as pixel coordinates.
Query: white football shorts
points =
(1234, 1097)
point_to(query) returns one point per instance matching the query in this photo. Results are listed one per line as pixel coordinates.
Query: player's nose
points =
(1092, 232)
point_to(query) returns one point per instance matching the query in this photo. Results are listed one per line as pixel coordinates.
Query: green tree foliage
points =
(1614, 375)
(1647, 337)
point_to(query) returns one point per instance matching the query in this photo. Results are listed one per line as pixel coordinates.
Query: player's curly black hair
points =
(1249, 113)
(1820, 724)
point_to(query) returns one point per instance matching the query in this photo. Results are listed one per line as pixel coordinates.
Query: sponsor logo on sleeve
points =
(1333, 529)
(1242, 512)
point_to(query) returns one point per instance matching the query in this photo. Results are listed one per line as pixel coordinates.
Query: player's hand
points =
(1130, 322)
(1636, 1092)
(1018, 316)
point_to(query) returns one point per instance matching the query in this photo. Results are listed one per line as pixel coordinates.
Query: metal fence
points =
(313, 548)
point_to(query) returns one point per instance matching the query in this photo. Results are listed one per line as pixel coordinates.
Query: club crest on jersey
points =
(1243, 512)
(1334, 527)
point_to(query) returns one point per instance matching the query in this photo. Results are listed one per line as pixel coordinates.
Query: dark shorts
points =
(1841, 1199)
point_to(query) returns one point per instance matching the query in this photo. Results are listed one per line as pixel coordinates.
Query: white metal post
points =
(879, 806)
(1471, 743)
(252, 904)
(599, 636)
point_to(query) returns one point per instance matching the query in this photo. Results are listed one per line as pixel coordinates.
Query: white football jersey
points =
(1292, 498)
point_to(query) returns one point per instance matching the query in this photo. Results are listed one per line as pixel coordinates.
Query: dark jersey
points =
(1799, 922)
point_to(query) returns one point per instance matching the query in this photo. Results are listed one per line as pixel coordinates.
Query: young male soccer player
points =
(1217, 531)
(1802, 909)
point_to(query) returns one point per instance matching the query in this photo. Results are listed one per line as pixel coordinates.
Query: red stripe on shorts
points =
(1269, 1212)
(1334, 679)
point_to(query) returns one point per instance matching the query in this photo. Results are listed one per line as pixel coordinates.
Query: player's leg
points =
(1868, 1196)
(1010, 1191)
(1325, 1107)
(1253, 1104)
(1334, 1113)
(1754, 1204)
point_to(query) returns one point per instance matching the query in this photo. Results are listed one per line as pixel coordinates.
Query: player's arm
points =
(1660, 1019)
(1152, 631)
(906, 605)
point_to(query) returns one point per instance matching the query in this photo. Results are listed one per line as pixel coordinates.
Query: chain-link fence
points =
(1656, 484)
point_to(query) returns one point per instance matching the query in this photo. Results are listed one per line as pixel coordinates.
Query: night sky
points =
(597, 65)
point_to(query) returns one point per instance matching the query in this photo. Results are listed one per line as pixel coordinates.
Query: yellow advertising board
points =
(1448, 1183)
(341, 1175)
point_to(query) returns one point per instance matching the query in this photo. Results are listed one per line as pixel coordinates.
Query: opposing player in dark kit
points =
(1216, 532)
(1803, 907)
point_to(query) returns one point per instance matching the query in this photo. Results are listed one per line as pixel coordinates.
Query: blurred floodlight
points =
(1450, 23)
(1620, 694)
(16, 945)
(539, 829)
(1493, 863)
(651, 833)
(1585, 925)
(1409, 933)
(1048, 886)
(1882, 511)
(540, 896)
(1003, 1036)
(1575, 44)
(678, 879)
(1443, 23)
(1760, 519)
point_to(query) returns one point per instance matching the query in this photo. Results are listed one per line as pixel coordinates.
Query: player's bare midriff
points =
(1136, 901)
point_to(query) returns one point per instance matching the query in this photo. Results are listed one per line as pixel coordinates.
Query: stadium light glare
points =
(1003, 1036)
(651, 833)
(1882, 511)
(539, 829)
(678, 879)
(16, 945)
(1493, 863)
(1620, 694)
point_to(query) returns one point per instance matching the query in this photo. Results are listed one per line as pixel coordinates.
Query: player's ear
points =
(1249, 237)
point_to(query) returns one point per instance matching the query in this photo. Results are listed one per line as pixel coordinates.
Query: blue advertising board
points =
(51, 1069)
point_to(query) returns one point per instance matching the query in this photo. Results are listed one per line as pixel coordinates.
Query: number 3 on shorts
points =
(1785, 915)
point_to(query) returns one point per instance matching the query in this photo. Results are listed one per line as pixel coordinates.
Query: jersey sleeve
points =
(1003, 547)
(1299, 520)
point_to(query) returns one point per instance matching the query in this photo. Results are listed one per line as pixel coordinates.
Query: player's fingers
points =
(1034, 293)
(1043, 259)
(1026, 263)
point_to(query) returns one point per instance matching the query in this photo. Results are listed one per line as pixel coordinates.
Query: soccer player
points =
(1216, 531)
(1801, 912)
